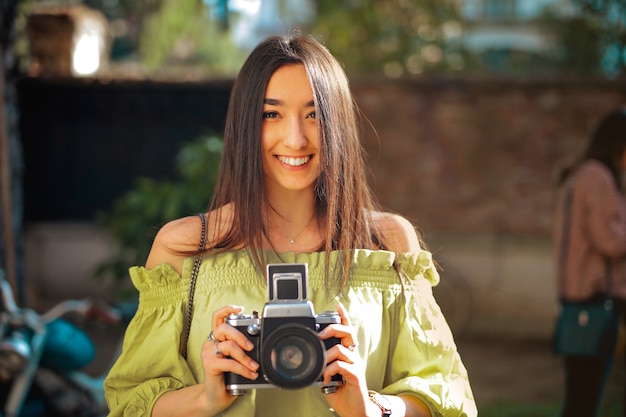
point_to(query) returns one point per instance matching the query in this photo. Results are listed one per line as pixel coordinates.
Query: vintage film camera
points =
(286, 344)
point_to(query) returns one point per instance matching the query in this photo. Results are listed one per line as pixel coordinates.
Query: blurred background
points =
(113, 112)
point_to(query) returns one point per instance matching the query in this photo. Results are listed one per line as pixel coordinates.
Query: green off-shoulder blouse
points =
(403, 338)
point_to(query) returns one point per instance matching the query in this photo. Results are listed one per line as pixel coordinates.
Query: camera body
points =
(286, 343)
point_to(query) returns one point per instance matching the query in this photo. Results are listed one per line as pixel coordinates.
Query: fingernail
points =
(249, 345)
(254, 365)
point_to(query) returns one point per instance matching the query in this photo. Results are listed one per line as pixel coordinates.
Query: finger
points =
(224, 357)
(343, 313)
(232, 350)
(227, 332)
(348, 371)
(341, 353)
(335, 330)
(219, 316)
(223, 365)
(339, 331)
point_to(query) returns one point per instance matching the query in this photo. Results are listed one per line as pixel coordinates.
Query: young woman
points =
(590, 247)
(291, 190)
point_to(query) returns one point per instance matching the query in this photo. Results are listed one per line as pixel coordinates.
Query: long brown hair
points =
(343, 200)
(606, 145)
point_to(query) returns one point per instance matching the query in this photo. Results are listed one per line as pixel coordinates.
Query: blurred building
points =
(496, 29)
(252, 20)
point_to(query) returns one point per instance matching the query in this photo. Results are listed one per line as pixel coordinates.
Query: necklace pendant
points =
(292, 241)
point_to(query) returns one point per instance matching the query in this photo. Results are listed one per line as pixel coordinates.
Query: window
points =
(508, 10)
(499, 9)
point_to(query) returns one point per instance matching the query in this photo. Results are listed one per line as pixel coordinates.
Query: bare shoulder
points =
(397, 233)
(177, 238)
(173, 240)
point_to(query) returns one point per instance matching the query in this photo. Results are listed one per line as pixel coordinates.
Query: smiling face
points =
(290, 142)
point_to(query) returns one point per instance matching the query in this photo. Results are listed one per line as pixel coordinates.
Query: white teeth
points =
(294, 162)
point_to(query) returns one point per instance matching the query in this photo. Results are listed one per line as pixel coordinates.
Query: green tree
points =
(592, 39)
(393, 37)
(180, 32)
(134, 218)
(175, 38)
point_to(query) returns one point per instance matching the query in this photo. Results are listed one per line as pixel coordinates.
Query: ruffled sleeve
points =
(151, 342)
(424, 361)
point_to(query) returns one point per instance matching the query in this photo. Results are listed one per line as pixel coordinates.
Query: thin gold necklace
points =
(293, 239)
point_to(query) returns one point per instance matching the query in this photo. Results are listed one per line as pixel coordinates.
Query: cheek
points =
(265, 138)
(271, 134)
(312, 134)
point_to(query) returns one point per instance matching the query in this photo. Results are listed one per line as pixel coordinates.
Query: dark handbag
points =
(583, 328)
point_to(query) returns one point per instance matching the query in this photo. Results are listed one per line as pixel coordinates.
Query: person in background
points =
(590, 246)
(292, 189)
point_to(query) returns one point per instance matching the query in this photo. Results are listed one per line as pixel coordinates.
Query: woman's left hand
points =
(351, 398)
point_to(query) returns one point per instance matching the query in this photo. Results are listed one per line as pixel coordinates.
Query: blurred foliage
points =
(393, 37)
(183, 39)
(135, 217)
(591, 40)
(173, 34)
(181, 32)
(405, 37)
(175, 38)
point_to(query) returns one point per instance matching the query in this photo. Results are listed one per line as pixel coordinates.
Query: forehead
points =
(289, 81)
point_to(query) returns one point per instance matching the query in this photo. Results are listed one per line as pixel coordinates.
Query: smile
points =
(294, 162)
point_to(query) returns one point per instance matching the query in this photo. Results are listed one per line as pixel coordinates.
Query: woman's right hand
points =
(225, 352)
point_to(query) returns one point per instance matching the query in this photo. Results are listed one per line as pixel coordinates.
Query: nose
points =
(294, 136)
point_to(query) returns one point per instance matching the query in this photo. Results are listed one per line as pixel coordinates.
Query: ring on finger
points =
(353, 346)
(218, 352)
(212, 337)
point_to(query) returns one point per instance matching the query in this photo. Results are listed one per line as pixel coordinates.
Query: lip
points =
(294, 161)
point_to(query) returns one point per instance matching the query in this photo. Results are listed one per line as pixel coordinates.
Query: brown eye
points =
(270, 115)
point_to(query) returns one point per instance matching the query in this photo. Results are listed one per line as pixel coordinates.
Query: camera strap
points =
(192, 287)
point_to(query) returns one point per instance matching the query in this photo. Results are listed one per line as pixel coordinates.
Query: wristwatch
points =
(382, 402)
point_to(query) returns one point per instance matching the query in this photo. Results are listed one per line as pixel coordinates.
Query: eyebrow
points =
(277, 102)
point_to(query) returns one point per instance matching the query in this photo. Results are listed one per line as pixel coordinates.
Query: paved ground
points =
(511, 371)
(523, 378)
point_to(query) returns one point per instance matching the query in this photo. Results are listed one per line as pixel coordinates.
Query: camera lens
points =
(293, 356)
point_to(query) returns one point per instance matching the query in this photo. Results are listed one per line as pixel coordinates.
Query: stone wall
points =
(469, 156)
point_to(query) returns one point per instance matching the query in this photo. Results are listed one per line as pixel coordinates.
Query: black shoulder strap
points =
(192, 287)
